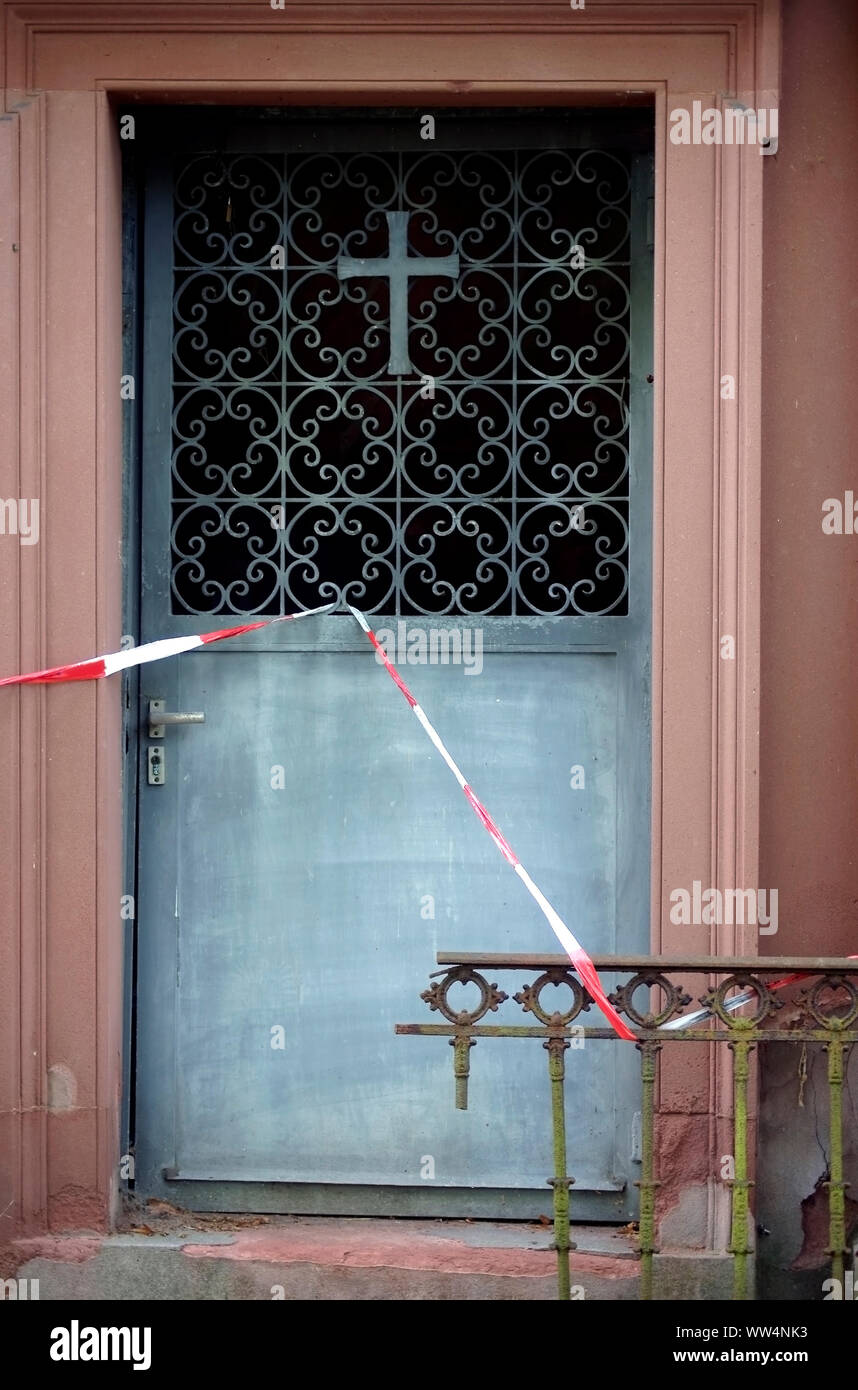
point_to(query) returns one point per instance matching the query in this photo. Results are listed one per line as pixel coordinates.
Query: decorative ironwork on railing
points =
(739, 1007)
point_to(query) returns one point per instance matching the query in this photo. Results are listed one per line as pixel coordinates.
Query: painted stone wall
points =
(809, 717)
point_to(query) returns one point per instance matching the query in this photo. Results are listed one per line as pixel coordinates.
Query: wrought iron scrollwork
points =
(673, 996)
(762, 1001)
(494, 478)
(530, 997)
(833, 1001)
(437, 996)
(735, 1013)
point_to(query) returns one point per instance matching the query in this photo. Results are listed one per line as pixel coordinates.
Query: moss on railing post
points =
(556, 1047)
(828, 1015)
(647, 1184)
(739, 1244)
(461, 1045)
(836, 1185)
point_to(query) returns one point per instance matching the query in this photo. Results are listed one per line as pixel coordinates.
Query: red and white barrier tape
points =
(738, 1001)
(108, 665)
(100, 666)
(573, 948)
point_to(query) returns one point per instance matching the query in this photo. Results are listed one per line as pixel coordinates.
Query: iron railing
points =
(823, 991)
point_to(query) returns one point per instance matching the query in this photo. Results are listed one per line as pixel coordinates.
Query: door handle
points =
(159, 718)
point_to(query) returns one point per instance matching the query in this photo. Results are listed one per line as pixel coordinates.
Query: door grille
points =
(481, 467)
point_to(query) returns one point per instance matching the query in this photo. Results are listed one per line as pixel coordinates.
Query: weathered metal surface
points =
(502, 279)
(261, 907)
(398, 268)
(560, 1183)
(740, 1247)
(717, 965)
(838, 1249)
(696, 1034)
(647, 1183)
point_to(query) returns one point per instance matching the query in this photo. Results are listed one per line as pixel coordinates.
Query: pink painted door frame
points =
(68, 71)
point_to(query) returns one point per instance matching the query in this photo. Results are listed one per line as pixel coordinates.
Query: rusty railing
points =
(825, 1012)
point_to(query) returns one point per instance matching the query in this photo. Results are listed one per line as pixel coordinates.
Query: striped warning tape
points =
(108, 665)
(737, 1001)
(573, 948)
(112, 662)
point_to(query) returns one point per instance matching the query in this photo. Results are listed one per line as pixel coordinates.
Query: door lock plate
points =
(156, 769)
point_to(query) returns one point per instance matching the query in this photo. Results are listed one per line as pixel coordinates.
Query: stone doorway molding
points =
(70, 70)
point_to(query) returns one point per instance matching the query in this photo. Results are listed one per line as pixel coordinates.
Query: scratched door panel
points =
(301, 908)
(308, 852)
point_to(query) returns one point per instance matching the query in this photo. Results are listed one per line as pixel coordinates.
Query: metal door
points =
(410, 371)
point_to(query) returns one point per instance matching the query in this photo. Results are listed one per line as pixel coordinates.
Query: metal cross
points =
(398, 266)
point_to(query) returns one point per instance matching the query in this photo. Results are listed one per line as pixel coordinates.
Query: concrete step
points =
(328, 1258)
